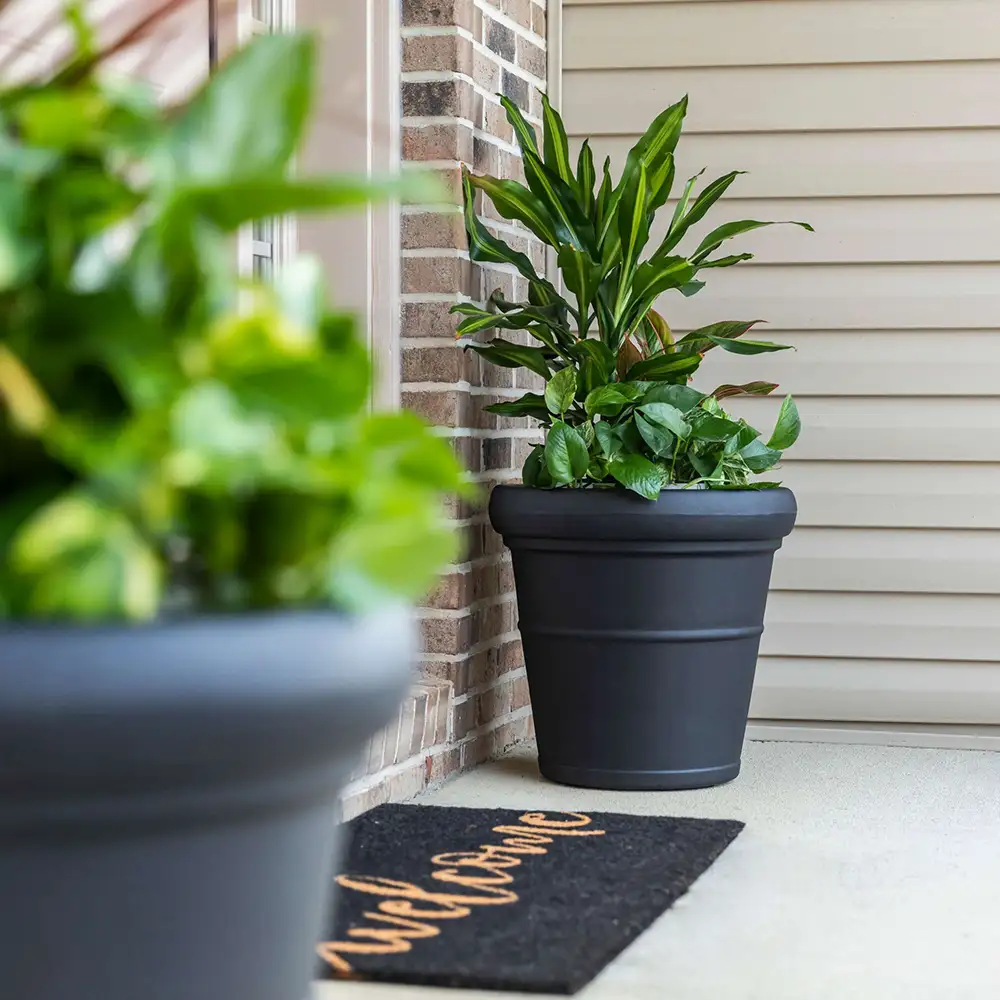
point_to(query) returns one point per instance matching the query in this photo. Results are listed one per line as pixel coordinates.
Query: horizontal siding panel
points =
(836, 164)
(894, 494)
(859, 230)
(867, 363)
(889, 626)
(787, 98)
(835, 297)
(868, 560)
(876, 691)
(780, 32)
(886, 430)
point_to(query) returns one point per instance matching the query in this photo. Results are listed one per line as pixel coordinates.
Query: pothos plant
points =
(175, 437)
(617, 405)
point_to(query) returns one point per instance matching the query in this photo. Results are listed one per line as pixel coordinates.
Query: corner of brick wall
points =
(457, 54)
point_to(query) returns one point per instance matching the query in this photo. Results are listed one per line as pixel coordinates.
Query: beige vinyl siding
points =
(878, 122)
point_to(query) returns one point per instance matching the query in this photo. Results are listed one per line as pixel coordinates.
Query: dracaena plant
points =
(617, 405)
(173, 437)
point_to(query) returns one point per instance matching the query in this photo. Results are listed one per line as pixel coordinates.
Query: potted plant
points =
(642, 541)
(206, 540)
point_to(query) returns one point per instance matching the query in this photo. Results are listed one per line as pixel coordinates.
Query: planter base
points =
(638, 781)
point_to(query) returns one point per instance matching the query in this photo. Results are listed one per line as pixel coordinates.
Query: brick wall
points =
(457, 54)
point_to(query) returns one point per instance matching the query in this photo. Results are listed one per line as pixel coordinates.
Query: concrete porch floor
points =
(864, 873)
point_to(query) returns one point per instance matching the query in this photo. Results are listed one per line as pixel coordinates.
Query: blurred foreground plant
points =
(175, 438)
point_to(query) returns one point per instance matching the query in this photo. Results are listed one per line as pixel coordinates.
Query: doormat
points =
(501, 899)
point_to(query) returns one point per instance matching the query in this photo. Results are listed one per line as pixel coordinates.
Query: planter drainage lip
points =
(521, 512)
(638, 780)
(192, 709)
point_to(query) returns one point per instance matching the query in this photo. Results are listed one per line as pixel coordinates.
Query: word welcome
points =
(408, 913)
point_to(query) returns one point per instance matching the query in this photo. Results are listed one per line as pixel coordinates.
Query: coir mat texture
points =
(501, 899)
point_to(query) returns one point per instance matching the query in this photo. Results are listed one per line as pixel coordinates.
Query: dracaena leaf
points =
(531, 404)
(580, 274)
(586, 177)
(706, 337)
(675, 367)
(515, 201)
(786, 430)
(633, 223)
(555, 144)
(698, 210)
(560, 200)
(507, 355)
(747, 389)
(729, 230)
(749, 346)
(525, 133)
(663, 331)
(484, 247)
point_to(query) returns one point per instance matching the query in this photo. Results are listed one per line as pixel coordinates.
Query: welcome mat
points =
(501, 899)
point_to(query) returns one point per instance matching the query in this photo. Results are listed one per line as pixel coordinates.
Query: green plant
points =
(175, 438)
(617, 406)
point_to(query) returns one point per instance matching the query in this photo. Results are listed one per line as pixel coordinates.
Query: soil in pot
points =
(167, 799)
(641, 623)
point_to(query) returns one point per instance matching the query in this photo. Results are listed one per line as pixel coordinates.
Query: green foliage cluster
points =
(175, 438)
(617, 406)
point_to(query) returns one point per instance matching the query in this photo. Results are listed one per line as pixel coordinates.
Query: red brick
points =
(438, 274)
(428, 319)
(438, 13)
(437, 142)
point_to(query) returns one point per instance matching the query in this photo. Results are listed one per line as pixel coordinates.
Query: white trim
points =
(553, 88)
(878, 734)
(385, 20)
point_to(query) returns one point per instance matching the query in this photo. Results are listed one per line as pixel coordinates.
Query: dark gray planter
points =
(641, 622)
(167, 800)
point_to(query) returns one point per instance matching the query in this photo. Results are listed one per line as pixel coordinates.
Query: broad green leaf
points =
(638, 474)
(758, 457)
(675, 367)
(393, 551)
(729, 230)
(560, 391)
(525, 133)
(84, 561)
(606, 401)
(250, 117)
(534, 472)
(229, 204)
(747, 389)
(507, 355)
(556, 146)
(586, 178)
(531, 404)
(484, 247)
(683, 397)
(666, 416)
(708, 427)
(657, 437)
(514, 201)
(788, 426)
(608, 441)
(748, 346)
(566, 455)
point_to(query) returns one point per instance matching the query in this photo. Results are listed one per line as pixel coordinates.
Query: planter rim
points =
(521, 512)
(192, 708)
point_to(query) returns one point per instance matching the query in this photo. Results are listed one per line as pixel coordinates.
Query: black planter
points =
(641, 622)
(167, 800)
